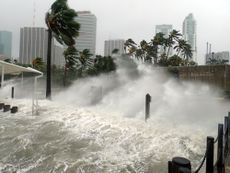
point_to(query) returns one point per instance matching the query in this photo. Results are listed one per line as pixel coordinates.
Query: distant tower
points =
(110, 45)
(5, 44)
(189, 34)
(87, 32)
(165, 29)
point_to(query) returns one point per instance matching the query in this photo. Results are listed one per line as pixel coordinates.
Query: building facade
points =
(87, 32)
(111, 45)
(5, 44)
(34, 43)
(189, 34)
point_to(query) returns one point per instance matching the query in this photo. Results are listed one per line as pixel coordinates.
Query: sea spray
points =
(76, 132)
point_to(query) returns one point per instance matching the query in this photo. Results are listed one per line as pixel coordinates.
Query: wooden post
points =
(226, 136)
(228, 130)
(209, 154)
(220, 148)
(147, 106)
(12, 92)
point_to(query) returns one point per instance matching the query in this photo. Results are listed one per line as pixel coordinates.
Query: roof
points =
(14, 69)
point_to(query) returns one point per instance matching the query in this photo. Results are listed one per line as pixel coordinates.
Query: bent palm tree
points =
(38, 63)
(61, 24)
(71, 56)
(85, 60)
(173, 36)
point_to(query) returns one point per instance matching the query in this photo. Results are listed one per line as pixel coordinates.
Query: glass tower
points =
(5, 43)
(189, 33)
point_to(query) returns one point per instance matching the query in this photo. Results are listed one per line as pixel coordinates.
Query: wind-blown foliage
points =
(60, 20)
(151, 52)
(38, 63)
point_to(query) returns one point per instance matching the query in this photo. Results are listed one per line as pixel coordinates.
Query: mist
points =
(123, 93)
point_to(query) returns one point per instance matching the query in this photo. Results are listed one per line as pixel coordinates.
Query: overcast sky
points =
(134, 19)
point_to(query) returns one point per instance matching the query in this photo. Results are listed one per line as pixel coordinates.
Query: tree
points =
(38, 63)
(62, 25)
(85, 62)
(150, 51)
(130, 45)
(104, 64)
(173, 37)
(71, 57)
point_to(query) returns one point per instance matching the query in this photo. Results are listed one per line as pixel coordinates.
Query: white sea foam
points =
(97, 125)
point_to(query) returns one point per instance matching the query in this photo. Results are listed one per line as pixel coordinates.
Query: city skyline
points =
(131, 19)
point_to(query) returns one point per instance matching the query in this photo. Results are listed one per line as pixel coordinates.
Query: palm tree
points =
(180, 46)
(131, 45)
(61, 25)
(187, 52)
(38, 63)
(85, 60)
(71, 56)
(155, 44)
(173, 36)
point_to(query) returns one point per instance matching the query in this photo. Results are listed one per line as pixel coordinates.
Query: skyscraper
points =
(34, 43)
(87, 32)
(5, 44)
(110, 45)
(189, 33)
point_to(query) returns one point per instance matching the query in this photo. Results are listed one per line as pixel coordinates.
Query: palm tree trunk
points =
(48, 66)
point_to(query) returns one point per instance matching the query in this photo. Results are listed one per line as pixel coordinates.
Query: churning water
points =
(97, 125)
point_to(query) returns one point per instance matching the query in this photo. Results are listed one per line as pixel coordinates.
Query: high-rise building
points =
(111, 45)
(189, 33)
(34, 43)
(87, 32)
(165, 29)
(5, 44)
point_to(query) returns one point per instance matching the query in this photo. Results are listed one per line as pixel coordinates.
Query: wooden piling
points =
(12, 92)
(210, 154)
(226, 129)
(220, 149)
(147, 106)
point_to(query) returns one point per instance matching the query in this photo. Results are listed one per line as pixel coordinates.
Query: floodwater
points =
(97, 125)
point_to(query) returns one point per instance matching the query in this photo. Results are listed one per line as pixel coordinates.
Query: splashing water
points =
(97, 125)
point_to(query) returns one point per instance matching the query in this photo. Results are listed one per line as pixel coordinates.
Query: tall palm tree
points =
(173, 37)
(61, 25)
